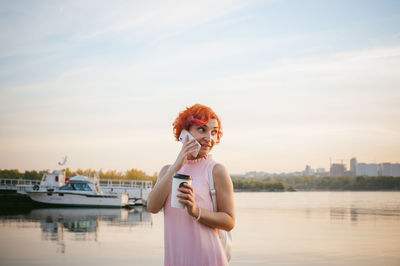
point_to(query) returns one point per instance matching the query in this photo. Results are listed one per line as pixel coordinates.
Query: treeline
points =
(240, 183)
(112, 174)
(256, 184)
(109, 174)
(15, 174)
(318, 183)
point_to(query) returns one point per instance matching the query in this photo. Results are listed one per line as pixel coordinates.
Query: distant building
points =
(395, 167)
(389, 169)
(353, 166)
(337, 170)
(320, 170)
(308, 171)
(386, 169)
(255, 174)
(361, 169)
(348, 173)
(297, 173)
(372, 169)
(364, 169)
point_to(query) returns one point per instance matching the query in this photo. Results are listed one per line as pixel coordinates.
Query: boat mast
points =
(64, 161)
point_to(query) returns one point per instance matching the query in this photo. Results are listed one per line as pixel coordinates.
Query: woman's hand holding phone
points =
(182, 138)
(189, 146)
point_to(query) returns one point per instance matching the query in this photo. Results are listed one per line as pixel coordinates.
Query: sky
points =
(294, 83)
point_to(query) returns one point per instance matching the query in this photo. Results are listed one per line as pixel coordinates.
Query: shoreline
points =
(317, 190)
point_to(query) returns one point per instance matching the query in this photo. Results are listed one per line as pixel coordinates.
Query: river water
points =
(281, 228)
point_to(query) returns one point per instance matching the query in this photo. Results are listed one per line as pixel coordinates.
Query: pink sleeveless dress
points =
(186, 241)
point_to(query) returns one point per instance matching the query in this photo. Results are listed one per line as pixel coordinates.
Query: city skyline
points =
(293, 82)
(349, 167)
(347, 163)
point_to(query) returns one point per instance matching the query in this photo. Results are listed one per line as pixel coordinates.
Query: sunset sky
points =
(294, 82)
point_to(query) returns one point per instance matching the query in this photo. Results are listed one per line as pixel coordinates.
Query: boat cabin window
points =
(67, 187)
(82, 187)
(56, 178)
(76, 186)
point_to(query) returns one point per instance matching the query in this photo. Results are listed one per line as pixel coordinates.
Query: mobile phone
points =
(182, 138)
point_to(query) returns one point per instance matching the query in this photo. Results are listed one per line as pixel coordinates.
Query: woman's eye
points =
(214, 132)
(201, 129)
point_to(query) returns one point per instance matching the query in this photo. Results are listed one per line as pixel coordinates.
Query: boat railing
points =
(126, 183)
(12, 182)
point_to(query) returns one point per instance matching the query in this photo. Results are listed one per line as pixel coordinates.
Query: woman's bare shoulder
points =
(220, 169)
(221, 174)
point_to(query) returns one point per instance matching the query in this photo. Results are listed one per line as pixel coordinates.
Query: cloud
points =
(118, 73)
(50, 26)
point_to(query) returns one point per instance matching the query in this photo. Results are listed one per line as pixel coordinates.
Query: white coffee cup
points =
(178, 181)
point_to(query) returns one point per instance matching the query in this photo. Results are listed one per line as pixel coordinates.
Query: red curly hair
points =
(197, 114)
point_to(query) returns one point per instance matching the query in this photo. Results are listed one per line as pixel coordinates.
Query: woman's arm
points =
(224, 218)
(159, 193)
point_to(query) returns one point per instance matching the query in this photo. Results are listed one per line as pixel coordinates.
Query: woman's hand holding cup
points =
(188, 199)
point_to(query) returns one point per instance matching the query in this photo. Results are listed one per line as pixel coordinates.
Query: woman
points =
(190, 234)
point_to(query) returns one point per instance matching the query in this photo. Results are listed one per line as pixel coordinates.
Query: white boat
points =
(79, 191)
(138, 190)
(50, 181)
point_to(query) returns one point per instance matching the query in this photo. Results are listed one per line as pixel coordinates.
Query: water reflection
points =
(78, 224)
(84, 223)
(355, 214)
(338, 213)
(302, 228)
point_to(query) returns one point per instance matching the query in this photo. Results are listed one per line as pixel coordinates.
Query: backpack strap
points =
(212, 188)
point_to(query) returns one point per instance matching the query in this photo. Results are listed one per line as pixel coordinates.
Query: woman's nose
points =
(208, 136)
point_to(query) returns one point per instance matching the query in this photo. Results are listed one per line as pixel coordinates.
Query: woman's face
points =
(206, 135)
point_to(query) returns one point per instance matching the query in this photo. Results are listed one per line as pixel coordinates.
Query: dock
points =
(138, 190)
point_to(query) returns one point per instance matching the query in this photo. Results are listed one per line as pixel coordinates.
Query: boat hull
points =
(84, 200)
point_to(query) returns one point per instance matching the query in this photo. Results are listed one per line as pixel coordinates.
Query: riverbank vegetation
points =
(131, 174)
(317, 183)
(256, 184)
(280, 183)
